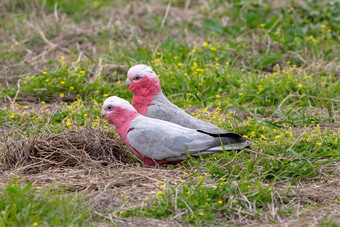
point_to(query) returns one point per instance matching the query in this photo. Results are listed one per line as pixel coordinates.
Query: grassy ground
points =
(268, 70)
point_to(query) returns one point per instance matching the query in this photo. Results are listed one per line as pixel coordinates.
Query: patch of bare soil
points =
(311, 201)
(116, 187)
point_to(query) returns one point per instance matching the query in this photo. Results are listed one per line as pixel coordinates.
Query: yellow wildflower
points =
(218, 96)
(179, 64)
(175, 57)
(85, 115)
(205, 44)
(200, 177)
(12, 116)
(212, 48)
(25, 107)
(300, 85)
(82, 72)
(288, 62)
(319, 144)
(323, 26)
(35, 223)
(43, 102)
(329, 30)
(200, 213)
(278, 136)
(159, 192)
(245, 136)
(260, 87)
(105, 95)
(240, 94)
(70, 107)
(263, 137)
(262, 25)
(71, 88)
(61, 95)
(219, 202)
(44, 72)
(62, 82)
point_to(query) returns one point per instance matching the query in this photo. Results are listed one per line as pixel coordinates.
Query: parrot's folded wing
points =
(161, 108)
(160, 140)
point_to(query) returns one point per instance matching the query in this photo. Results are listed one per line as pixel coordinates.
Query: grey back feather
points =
(161, 108)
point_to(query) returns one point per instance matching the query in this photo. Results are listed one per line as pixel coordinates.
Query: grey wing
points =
(160, 140)
(161, 108)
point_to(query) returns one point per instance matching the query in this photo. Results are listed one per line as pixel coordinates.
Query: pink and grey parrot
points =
(156, 141)
(149, 100)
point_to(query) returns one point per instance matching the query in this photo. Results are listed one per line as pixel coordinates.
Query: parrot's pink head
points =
(143, 81)
(118, 111)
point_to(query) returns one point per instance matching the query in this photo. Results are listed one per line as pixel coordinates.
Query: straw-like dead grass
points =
(72, 148)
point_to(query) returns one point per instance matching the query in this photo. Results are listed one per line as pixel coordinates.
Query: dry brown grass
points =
(69, 149)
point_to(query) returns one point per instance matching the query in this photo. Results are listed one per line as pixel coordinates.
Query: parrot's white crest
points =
(118, 102)
(141, 70)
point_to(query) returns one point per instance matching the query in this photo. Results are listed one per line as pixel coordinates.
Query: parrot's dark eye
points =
(137, 78)
(110, 108)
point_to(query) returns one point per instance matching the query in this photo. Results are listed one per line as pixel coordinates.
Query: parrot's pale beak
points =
(128, 81)
(103, 113)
